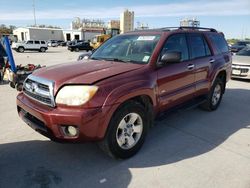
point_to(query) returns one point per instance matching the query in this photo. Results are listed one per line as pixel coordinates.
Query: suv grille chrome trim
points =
(40, 90)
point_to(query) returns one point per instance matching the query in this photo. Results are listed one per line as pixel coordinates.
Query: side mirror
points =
(170, 57)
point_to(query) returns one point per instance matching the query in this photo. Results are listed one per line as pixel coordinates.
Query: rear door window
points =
(37, 42)
(42, 42)
(219, 42)
(198, 46)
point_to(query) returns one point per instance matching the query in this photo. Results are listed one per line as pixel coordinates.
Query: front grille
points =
(37, 97)
(39, 89)
(44, 87)
(244, 70)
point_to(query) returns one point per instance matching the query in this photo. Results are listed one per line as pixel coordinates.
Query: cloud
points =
(193, 8)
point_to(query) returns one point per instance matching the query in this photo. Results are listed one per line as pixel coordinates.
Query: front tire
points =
(215, 95)
(21, 49)
(42, 49)
(127, 131)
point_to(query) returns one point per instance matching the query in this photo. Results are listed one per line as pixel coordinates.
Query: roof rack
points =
(189, 28)
(199, 28)
(177, 28)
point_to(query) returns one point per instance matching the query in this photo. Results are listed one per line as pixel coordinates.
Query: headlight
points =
(75, 95)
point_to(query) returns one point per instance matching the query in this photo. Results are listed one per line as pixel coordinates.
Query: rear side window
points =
(37, 42)
(198, 46)
(219, 41)
(177, 43)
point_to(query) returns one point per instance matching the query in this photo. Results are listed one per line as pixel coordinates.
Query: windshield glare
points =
(127, 48)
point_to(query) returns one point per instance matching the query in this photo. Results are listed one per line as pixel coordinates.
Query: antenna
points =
(34, 12)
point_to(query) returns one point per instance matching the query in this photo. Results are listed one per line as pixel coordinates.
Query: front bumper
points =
(50, 121)
(240, 71)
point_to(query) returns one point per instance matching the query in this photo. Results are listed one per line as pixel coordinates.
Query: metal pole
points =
(10, 55)
(34, 11)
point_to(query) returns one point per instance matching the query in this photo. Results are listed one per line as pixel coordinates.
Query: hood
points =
(241, 60)
(84, 72)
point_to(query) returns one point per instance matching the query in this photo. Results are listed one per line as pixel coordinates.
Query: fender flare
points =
(120, 95)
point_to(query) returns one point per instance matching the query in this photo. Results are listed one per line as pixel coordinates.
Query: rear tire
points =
(214, 97)
(127, 131)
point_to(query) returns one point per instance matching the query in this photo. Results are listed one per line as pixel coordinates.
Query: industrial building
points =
(81, 29)
(114, 24)
(127, 21)
(34, 33)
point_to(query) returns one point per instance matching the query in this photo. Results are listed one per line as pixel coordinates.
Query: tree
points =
(6, 30)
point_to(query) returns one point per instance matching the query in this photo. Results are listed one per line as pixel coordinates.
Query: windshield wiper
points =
(117, 60)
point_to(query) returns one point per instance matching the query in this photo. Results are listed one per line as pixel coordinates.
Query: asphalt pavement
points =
(188, 148)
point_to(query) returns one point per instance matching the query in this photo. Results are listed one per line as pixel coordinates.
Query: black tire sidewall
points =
(220, 82)
(114, 147)
(21, 50)
(43, 49)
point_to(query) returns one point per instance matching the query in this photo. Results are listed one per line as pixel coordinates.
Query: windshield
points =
(244, 52)
(127, 48)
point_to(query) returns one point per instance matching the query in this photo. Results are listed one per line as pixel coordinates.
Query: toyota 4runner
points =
(114, 96)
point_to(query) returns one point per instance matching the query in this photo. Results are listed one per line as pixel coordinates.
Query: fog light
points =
(72, 131)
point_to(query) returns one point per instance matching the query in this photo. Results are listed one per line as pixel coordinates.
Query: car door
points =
(29, 44)
(202, 58)
(36, 44)
(83, 46)
(176, 82)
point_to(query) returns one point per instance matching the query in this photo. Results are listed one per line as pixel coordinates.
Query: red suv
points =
(114, 96)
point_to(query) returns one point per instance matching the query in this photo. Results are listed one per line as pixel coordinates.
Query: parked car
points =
(114, 97)
(239, 46)
(53, 43)
(84, 55)
(80, 46)
(241, 64)
(30, 45)
(74, 42)
(61, 43)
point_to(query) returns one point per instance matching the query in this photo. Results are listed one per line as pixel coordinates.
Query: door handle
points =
(211, 61)
(190, 66)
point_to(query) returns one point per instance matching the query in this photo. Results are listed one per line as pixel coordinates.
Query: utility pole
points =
(34, 12)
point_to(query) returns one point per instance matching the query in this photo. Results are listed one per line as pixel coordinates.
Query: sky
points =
(229, 16)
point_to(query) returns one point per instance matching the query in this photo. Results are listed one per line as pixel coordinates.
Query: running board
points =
(181, 108)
